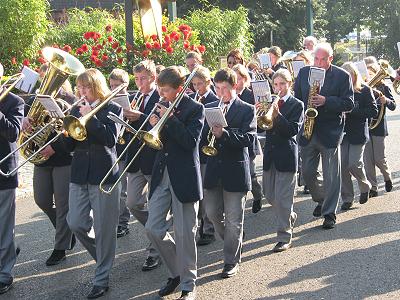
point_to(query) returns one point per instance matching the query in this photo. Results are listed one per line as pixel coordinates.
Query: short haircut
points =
(353, 71)
(305, 55)
(370, 60)
(310, 38)
(243, 72)
(170, 76)
(237, 55)
(194, 55)
(146, 65)
(374, 67)
(159, 68)
(1, 70)
(94, 79)
(226, 75)
(324, 46)
(203, 73)
(284, 74)
(119, 75)
(275, 50)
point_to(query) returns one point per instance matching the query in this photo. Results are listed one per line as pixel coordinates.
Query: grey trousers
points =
(179, 254)
(7, 243)
(374, 155)
(256, 188)
(137, 201)
(51, 191)
(327, 191)
(124, 214)
(83, 199)
(226, 211)
(207, 226)
(279, 192)
(352, 164)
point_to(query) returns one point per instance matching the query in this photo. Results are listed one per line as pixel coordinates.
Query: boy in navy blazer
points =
(176, 185)
(280, 158)
(227, 178)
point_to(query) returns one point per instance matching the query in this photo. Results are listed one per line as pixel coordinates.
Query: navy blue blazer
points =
(280, 142)
(338, 90)
(231, 165)
(145, 160)
(180, 153)
(382, 129)
(94, 156)
(356, 125)
(11, 117)
(247, 96)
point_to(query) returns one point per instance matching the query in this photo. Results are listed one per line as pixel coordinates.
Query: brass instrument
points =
(61, 66)
(264, 114)
(76, 127)
(9, 84)
(311, 112)
(287, 60)
(396, 86)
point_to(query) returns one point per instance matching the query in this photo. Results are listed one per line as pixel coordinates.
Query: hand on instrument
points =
(217, 131)
(269, 71)
(47, 151)
(318, 100)
(275, 109)
(85, 108)
(26, 125)
(132, 115)
(154, 120)
(382, 99)
(161, 109)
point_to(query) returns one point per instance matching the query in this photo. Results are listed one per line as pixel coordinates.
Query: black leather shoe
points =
(17, 250)
(364, 198)
(306, 191)
(73, 242)
(121, 231)
(205, 239)
(346, 205)
(230, 270)
(187, 295)
(317, 210)
(151, 263)
(256, 206)
(56, 257)
(170, 287)
(97, 291)
(281, 246)
(388, 185)
(373, 193)
(329, 222)
(5, 287)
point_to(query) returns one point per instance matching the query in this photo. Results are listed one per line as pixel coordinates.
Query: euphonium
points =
(311, 112)
(264, 114)
(61, 66)
(287, 60)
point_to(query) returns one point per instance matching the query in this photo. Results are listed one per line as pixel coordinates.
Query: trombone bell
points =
(209, 150)
(75, 128)
(152, 140)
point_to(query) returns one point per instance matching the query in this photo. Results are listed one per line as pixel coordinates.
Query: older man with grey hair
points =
(309, 43)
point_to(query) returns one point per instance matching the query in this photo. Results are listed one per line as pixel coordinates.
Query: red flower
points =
(154, 37)
(110, 38)
(56, 46)
(87, 35)
(93, 58)
(84, 47)
(201, 48)
(173, 33)
(26, 62)
(109, 28)
(145, 53)
(169, 50)
(184, 27)
(37, 70)
(165, 45)
(115, 45)
(147, 45)
(177, 36)
(67, 48)
(104, 57)
(41, 60)
(120, 60)
(99, 47)
(186, 44)
(95, 52)
(129, 47)
(79, 51)
(119, 50)
(193, 48)
(167, 39)
(156, 45)
(164, 28)
(96, 36)
(98, 62)
(40, 52)
(13, 61)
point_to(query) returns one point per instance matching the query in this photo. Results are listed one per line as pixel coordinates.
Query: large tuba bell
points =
(61, 66)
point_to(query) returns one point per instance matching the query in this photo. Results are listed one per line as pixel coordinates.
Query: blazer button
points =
(166, 154)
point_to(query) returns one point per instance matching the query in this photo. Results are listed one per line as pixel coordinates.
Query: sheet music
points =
(51, 106)
(122, 100)
(362, 68)
(265, 60)
(222, 62)
(316, 75)
(214, 116)
(261, 90)
(297, 65)
(28, 83)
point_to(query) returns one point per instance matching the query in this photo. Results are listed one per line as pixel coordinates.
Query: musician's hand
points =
(269, 71)
(161, 109)
(275, 109)
(47, 151)
(132, 115)
(217, 131)
(397, 74)
(85, 108)
(154, 120)
(259, 105)
(26, 124)
(382, 99)
(318, 100)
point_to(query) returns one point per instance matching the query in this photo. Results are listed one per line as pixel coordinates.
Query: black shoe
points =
(306, 191)
(373, 193)
(170, 287)
(151, 263)
(205, 239)
(73, 242)
(17, 250)
(122, 231)
(364, 198)
(187, 295)
(230, 270)
(97, 291)
(5, 287)
(317, 210)
(56, 257)
(329, 222)
(281, 246)
(346, 205)
(388, 185)
(256, 206)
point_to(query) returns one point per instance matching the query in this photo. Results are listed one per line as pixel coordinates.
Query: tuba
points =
(61, 66)
(311, 112)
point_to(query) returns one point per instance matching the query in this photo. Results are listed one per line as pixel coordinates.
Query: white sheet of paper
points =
(51, 106)
(222, 62)
(398, 47)
(362, 68)
(265, 60)
(297, 65)
(316, 75)
(214, 116)
(28, 83)
(261, 90)
(122, 100)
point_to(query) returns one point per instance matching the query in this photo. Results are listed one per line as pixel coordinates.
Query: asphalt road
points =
(359, 259)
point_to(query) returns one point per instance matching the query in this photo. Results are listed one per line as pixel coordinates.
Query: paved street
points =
(359, 259)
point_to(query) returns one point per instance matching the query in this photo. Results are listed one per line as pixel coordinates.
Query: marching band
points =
(168, 162)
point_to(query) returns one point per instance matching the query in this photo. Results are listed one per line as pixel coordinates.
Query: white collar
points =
(205, 94)
(284, 98)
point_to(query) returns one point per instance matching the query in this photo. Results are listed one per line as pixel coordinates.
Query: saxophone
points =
(311, 112)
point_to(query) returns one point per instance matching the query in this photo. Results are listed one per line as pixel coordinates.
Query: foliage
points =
(23, 26)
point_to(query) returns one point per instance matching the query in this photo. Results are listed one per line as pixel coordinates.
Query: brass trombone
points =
(9, 84)
(136, 106)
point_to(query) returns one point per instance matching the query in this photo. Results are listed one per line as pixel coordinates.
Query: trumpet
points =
(264, 113)
(10, 83)
(76, 127)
